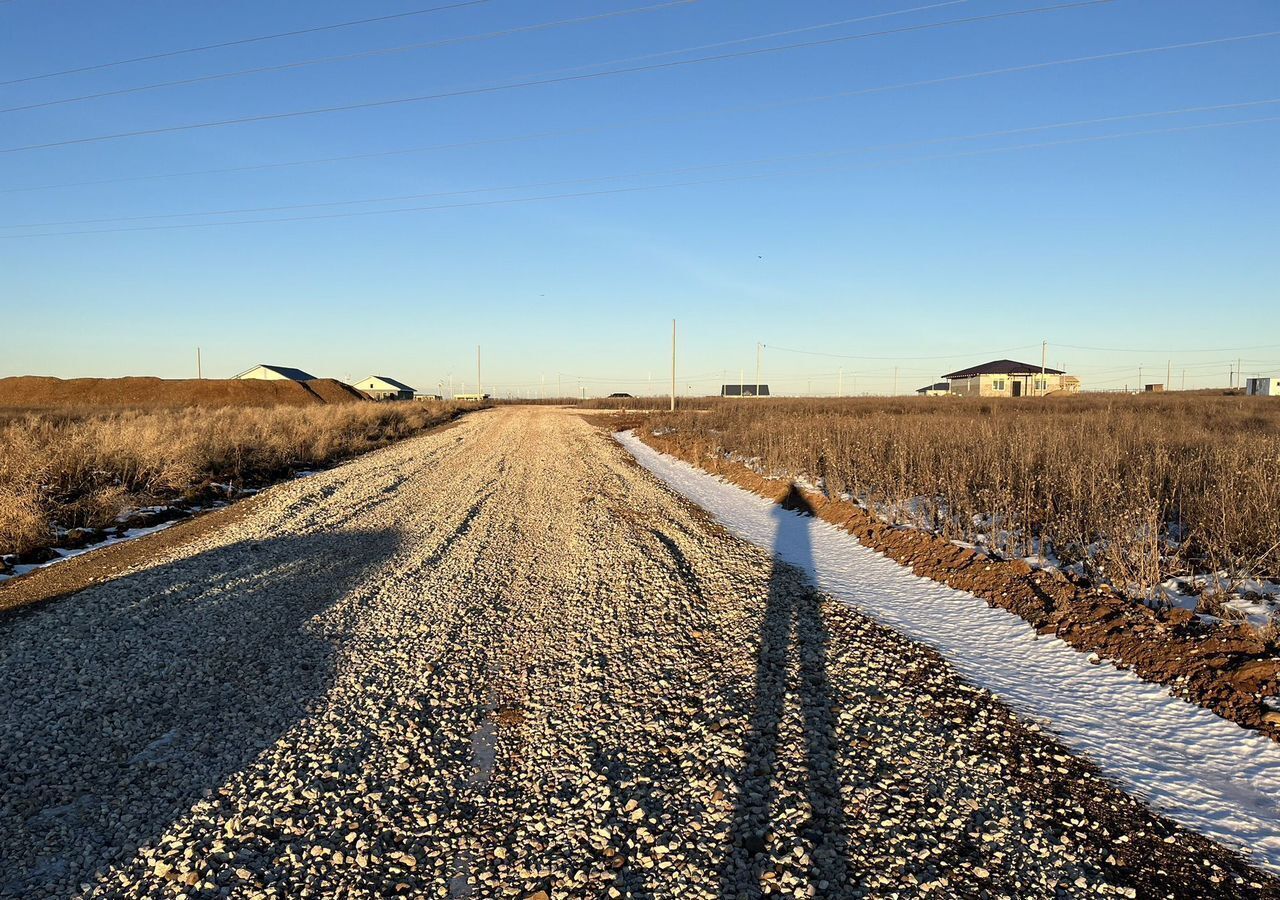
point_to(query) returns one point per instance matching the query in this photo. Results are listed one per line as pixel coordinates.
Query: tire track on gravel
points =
(503, 660)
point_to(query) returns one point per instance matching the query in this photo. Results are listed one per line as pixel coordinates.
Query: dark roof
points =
(744, 390)
(391, 381)
(1003, 367)
(618, 395)
(283, 371)
(936, 386)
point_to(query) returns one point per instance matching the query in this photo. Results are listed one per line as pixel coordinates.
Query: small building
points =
(938, 389)
(1262, 387)
(744, 390)
(1153, 388)
(265, 372)
(418, 395)
(471, 398)
(1009, 378)
(380, 387)
(619, 395)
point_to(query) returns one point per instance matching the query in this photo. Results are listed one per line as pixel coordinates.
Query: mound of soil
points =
(1226, 668)
(38, 392)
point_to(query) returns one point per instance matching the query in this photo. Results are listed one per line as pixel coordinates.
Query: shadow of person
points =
(782, 807)
(127, 702)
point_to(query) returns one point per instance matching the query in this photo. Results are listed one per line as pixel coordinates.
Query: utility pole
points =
(1044, 348)
(1184, 379)
(199, 371)
(559, 389)
(759, 346)
(1168, 375)
(1139, 390)
(895, 381)
(840, 382)
(479, 389)
(450, 385)
(542, 391)
(1239, 374)
(741, 386)
(673, 365)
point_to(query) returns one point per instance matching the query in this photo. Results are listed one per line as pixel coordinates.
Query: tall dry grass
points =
(1136, 489)
(82, 469)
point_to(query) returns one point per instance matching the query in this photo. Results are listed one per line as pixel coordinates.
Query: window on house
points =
(1042, 384)
(997, 384)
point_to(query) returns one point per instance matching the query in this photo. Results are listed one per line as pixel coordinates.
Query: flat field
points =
(70, 466)
(1157, 495)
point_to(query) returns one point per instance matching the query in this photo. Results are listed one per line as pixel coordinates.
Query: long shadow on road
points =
(126, 703)
(791, 665)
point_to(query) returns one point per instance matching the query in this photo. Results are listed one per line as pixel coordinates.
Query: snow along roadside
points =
(1202, 771)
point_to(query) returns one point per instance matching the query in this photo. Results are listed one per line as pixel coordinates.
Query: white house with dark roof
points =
(265, 372)
(380, 387)
(1010, 378)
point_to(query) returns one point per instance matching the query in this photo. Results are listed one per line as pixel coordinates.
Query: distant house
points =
(1009, 378)
(1263, 387)
(472, 398)
(380, 387)
(744, 390)
(275, 373)
(619, 395)
(938, 389)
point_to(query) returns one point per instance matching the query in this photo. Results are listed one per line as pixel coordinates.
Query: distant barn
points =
(744, 390)
(380, 387)
(937, 389)
(275, 373)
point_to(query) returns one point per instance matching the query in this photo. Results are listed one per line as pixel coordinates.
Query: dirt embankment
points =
(39, 392)
(1226, 668)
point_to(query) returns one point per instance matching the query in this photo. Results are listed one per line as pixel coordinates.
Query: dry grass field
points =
(83, 467)
(1131, 489)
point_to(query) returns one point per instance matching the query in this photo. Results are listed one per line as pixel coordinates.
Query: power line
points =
(383, 51)
(167, 54)
(912, 358)
(661, 119)
(644, 188)
(1167, 350)
(866, 148)
(536, 82)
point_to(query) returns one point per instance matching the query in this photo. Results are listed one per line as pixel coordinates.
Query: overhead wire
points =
(537, 82)
(346, 57)
(866, 148)
(239, 42)
(645, 188)
(659, 120)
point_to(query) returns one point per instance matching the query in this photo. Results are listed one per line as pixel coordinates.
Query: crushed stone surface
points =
(503, 661)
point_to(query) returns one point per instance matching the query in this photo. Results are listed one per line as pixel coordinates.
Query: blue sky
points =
(764, 198)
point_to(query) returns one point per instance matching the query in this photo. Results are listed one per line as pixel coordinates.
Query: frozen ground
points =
(1202, 771)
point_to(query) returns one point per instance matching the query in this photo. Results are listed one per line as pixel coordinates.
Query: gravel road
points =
(500, 660)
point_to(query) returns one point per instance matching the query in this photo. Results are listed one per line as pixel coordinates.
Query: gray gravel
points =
(501, 661)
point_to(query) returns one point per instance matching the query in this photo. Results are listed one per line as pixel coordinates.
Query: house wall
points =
(263, 374)
(1002, 385)
(1264, 387)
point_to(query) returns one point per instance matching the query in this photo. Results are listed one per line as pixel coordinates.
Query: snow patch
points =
(1197, 768)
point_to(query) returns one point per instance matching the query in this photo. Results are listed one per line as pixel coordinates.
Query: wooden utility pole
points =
(758, 348)
(1168, 375)
(673, 365)
(1044, 385)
